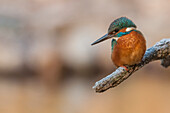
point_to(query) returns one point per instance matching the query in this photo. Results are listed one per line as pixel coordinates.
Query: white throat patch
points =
(116, 38)
(130, 29)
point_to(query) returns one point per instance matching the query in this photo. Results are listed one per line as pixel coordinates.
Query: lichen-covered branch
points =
(160, 51)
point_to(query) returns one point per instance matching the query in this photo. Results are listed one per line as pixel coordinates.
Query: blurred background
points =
(47, 64)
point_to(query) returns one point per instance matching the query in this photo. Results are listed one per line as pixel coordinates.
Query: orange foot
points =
(125, 68)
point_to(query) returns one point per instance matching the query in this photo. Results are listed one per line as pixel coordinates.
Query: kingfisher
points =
(128, 44)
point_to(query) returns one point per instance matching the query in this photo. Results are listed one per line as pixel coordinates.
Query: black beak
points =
(105, 37)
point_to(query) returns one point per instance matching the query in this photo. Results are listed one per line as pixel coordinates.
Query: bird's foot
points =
(125, 68)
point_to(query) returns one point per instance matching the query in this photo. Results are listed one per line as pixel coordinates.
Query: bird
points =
(128, 44)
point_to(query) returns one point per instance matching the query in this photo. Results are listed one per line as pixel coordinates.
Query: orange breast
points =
(129, 49)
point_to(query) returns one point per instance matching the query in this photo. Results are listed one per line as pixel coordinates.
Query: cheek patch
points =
(129, 29)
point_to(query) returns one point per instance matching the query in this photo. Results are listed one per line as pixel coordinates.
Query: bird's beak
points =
(105, 37)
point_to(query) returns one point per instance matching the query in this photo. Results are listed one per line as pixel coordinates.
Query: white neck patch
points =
(130, 29)
(116, 38)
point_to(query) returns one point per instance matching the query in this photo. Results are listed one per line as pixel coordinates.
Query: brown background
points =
(48, 66)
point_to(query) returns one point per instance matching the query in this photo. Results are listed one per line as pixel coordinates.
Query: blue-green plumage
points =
(120, 23)
(122, 33)
(113, 43)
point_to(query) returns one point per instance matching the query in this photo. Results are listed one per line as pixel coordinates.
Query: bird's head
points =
(117, 28)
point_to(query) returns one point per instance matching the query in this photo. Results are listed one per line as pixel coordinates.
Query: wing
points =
(113, 43)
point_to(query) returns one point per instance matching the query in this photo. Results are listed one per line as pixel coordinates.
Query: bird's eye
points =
(116, 30)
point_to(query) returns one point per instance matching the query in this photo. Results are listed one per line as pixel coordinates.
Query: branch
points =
(160, 51)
